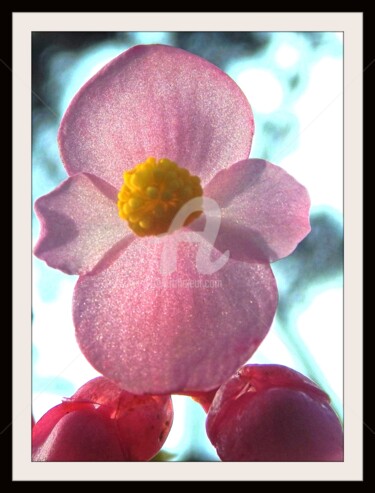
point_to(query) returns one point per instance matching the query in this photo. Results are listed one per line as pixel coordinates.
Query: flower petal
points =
(156, 101)
(185, 331)
(80, 224)
(265, 211)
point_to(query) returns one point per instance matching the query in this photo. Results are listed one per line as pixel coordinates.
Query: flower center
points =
(152, 194)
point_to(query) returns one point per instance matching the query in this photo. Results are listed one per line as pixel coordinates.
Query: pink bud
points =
(102, 422)
(273, 413)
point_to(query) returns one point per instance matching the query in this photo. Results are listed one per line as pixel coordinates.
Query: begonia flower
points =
(273, 413)
(102, 422)
(154, 130)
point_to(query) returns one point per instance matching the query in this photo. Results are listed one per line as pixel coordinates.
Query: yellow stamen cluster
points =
(152, 194)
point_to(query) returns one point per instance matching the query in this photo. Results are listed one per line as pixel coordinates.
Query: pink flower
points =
(273, 413)
(102, 422)
(187, 330)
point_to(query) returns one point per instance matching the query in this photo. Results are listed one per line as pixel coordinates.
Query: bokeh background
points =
(294, 82)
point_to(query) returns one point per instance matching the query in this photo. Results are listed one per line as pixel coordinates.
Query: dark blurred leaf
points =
(163, 456)
(317, 259)
(47, 44)
(198, 456)
(222, 47)
(294, 81)
(276, 131)
(314, 37)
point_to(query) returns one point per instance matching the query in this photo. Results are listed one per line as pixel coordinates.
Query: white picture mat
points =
(349, 23)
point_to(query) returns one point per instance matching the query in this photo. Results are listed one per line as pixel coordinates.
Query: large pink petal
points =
(156, 101)
(185, 331)
(265, 211)
(80, 224)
